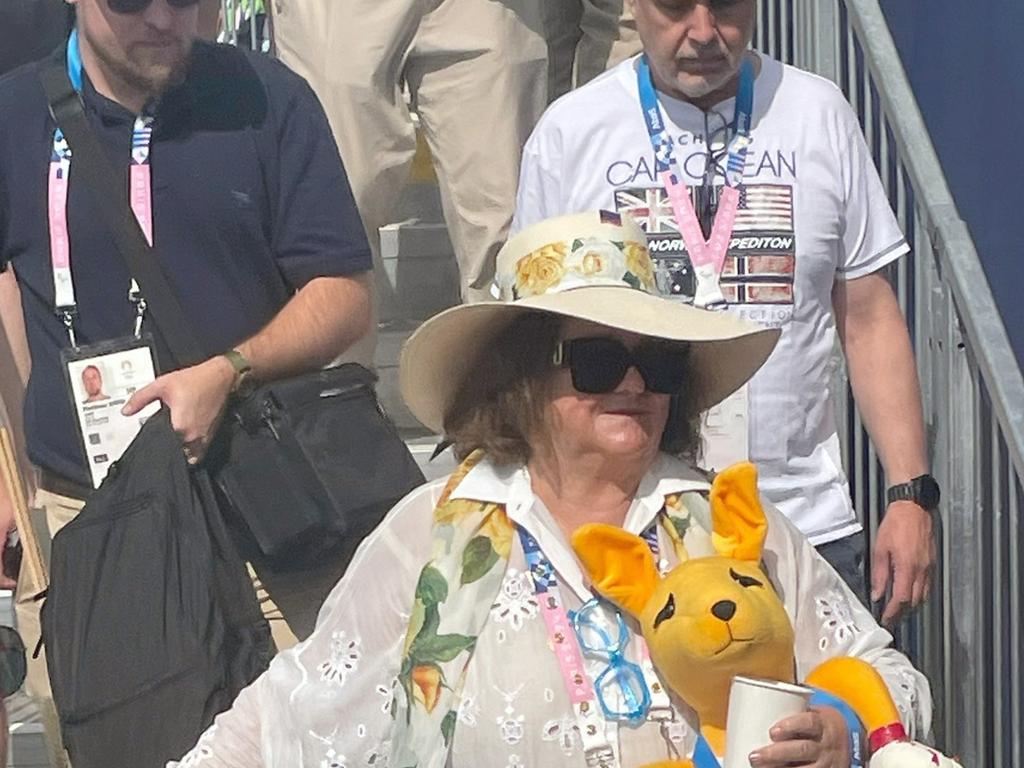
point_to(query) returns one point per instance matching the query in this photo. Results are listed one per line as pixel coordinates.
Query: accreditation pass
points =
(101, 378)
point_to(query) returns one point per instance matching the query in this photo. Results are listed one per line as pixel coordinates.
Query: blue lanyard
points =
(664, 146)
(541, 570)
(74, 59)
(61, 151)
(703, 757)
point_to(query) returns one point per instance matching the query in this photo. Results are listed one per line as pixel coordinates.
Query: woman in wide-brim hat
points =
(575, 399)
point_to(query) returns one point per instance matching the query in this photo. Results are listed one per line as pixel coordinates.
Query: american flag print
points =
(765, 207)
(760, 266)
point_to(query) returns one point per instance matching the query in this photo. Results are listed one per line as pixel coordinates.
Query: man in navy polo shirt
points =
(250, 211)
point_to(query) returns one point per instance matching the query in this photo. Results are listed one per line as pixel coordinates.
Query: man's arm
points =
(324, 318)
(884, 381)
(14, 344)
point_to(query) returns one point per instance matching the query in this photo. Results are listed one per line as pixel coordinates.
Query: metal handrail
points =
(955, 249)
(969, 638)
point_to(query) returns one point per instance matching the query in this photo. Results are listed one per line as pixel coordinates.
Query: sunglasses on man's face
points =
(137, 6)
(599, 364)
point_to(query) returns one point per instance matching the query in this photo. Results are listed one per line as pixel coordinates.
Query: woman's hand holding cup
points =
(817, 737)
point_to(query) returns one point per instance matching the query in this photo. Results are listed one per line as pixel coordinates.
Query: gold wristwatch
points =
(245, 382)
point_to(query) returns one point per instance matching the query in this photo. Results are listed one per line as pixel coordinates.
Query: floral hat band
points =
(618, 258)
(572, 264)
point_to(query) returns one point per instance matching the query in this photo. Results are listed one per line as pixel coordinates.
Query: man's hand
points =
(196, 398)
(904, 547)
(817, 738)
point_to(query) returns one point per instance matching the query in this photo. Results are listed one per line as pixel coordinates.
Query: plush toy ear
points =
(738, 523)
(619, 564)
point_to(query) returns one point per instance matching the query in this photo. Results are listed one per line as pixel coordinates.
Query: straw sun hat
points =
(593, 266)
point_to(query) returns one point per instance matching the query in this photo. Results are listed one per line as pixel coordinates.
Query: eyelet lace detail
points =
(565, 732)
(838, 624)
(906, 702)
(379, 757)
(469, 711)
(344, 658)
(515, 602)
(201, 752)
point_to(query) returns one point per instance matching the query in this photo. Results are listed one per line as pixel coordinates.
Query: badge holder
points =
(100, 379)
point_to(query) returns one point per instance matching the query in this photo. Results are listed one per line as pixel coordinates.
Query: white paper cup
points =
(755, 707)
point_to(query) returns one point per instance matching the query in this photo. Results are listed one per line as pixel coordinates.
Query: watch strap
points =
(923, 490)
(242, 366)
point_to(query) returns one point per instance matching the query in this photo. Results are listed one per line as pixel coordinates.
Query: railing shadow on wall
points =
(967, 639)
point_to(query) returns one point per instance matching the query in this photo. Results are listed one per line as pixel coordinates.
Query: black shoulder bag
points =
(306, 462)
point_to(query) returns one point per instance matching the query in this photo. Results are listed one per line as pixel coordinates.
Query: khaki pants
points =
(586, 37)
(60, 510)
(476, 73)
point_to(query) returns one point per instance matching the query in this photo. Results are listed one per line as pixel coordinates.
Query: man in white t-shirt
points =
(812, 232)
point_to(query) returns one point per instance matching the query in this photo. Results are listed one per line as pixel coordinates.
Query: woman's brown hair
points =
(501, 403)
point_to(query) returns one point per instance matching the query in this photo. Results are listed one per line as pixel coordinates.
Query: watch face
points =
(927, 492)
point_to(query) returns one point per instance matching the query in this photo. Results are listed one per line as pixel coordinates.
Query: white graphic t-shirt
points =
(812, 210)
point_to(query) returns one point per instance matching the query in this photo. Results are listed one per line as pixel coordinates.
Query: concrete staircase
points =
(419, 279)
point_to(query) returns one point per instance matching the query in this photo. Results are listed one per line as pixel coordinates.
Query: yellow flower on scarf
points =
(538, 271)
(455, 511)
(427, 681)
(498, 529)
(638, 262)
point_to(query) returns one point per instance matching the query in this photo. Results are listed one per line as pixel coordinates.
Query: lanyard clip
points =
(601, 757)
(67, 316)
(139, 301)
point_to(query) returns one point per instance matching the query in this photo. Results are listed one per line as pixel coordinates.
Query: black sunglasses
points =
(599, 364)
(136, 6)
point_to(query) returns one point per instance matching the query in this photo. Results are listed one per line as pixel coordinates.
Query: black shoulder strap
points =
(93, 166)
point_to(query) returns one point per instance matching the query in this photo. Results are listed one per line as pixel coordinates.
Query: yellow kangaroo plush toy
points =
(712, 618)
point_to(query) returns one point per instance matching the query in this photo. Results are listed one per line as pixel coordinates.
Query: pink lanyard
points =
(140, 196)
(598, 750)
(703, 253)
(707, 256)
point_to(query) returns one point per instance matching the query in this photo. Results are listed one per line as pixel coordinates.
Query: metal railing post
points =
(968, 639)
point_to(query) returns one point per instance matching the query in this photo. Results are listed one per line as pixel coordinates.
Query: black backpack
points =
(151, 624)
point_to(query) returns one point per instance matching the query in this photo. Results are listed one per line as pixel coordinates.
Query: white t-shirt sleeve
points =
(330, 695)
(829, 621)
(539, 193)
(871, 236)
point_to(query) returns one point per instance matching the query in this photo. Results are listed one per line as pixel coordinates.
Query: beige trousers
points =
(476, 74)
(586, 37)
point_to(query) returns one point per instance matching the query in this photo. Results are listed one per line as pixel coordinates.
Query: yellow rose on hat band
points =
(538, 271)
(564, 265)
(638, 262)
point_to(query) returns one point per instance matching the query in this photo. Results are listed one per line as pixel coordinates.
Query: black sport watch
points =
(922, 490)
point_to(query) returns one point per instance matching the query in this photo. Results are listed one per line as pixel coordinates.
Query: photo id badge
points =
(100, 379)
(725, 432)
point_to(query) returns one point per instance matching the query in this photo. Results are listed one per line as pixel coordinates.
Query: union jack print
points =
(650, 207)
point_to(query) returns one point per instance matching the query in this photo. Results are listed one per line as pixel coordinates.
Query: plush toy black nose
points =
(724, 609)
